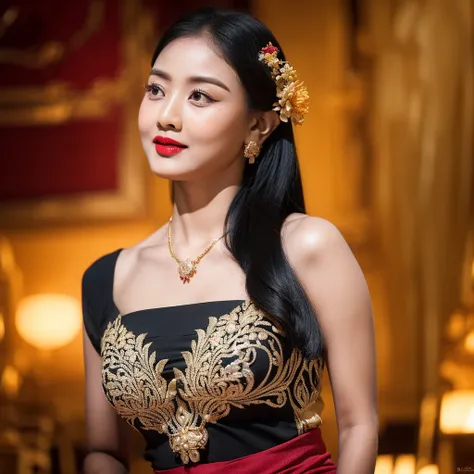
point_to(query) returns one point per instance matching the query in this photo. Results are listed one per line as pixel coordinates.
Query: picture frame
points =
(70, 147)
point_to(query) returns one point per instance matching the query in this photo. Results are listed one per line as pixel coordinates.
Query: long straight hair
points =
(271, 189)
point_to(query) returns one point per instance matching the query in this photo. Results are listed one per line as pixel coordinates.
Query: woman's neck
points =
(199, 213)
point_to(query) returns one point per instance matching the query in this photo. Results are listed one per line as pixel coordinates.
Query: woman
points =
(217, 359)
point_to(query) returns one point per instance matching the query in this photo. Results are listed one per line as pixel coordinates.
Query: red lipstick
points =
(167, 146)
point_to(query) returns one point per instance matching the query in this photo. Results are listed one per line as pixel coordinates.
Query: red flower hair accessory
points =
(269, 49)
(292, 94)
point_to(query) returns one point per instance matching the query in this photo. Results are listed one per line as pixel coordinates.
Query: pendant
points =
(187, 269)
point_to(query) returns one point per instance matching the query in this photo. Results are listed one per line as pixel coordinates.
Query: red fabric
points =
(55, 20)
(304, 454)
(75, 157)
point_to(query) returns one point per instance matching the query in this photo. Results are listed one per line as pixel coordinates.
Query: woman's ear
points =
(262, 126)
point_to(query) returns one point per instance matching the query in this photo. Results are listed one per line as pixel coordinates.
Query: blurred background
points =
(386, 154)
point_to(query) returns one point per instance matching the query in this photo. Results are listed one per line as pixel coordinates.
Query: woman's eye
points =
(197, 95)
(201, 96)
(153, 89)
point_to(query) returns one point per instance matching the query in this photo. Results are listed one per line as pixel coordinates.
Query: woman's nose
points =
(170, 116)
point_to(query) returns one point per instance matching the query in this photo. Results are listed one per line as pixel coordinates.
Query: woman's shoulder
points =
(314, 246)
(97, 283)
(326, 267)
(306, 238)
(101, 269)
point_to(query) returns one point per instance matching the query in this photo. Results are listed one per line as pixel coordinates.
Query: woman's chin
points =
(172, 171)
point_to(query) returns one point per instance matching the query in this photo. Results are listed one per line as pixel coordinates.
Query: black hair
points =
(271, 189)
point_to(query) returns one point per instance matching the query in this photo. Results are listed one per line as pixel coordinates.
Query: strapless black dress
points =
(203, 383)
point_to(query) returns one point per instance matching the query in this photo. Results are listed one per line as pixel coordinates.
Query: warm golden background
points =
(386, 154)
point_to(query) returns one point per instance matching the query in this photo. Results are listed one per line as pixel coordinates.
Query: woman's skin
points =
(196, 98)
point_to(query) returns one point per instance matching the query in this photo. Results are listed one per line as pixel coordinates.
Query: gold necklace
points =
(188, 268)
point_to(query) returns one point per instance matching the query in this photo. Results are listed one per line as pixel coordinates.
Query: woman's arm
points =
(338, 291)
(107, 435)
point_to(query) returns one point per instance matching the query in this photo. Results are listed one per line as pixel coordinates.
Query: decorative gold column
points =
(10, 286)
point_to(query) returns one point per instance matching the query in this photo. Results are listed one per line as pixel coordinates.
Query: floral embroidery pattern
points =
(217, 377)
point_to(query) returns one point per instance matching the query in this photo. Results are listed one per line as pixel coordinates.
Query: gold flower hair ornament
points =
(292, 95)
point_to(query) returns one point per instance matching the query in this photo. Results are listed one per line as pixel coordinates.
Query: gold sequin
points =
(212, 383)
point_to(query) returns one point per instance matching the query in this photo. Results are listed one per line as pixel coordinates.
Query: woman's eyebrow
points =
(194, 79)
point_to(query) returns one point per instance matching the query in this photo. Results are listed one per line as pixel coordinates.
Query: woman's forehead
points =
(192, 56)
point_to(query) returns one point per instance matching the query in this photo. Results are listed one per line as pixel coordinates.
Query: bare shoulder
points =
(327, 268)
(307, 238)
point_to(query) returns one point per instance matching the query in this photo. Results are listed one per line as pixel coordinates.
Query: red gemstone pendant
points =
(187, 269)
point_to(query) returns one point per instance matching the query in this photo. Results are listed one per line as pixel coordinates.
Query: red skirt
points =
(304, 454)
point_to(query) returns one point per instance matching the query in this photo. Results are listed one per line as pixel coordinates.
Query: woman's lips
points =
(167, 146)
(168, 150)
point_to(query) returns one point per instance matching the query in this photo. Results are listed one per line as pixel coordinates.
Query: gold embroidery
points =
(306, 396)
(132, 381)
(217, 376)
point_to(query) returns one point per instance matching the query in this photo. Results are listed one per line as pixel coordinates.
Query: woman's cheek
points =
(217, 121)
(144, 116)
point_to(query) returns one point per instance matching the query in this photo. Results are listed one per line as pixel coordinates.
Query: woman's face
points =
(195, 98)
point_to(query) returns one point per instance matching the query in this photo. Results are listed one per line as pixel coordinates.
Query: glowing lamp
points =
(457, 412)
(405, 464)
(429, 469)
(48, 321)
(384, 464)
(10, 381)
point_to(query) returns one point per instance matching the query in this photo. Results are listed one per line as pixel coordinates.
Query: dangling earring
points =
(251, 151)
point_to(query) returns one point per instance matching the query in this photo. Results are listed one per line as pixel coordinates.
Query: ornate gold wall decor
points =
(59, 103)
(62, 103)
(51, 51)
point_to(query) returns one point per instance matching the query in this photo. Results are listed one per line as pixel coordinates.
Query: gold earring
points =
(251, 151)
